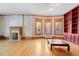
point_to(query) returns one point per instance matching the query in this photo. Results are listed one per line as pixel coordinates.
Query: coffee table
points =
(58, 42)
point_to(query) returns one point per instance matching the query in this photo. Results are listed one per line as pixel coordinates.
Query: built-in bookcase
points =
(71, 21)
(67, 22)
(75, 20)
(71, 25)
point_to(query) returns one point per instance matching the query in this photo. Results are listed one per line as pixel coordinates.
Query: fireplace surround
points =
(15, 33)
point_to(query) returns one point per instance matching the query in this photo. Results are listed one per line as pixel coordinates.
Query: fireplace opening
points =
(15, 36)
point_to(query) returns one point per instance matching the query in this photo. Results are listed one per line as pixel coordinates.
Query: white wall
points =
(28, 26)
(15, 20)
(1, 23)
(6, 28)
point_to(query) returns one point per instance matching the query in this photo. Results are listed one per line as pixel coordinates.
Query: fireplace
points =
(15, 33)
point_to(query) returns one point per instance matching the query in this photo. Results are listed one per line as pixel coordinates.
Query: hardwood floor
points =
(34, 47)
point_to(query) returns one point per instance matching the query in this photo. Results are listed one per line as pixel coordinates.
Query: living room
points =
(30, 28)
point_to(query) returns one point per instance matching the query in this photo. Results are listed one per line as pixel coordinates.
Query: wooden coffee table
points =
(58, 42)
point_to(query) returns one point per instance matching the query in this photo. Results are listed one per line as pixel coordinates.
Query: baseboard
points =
(33, 37)
(26, 37)
(36, 37)
(43, 37)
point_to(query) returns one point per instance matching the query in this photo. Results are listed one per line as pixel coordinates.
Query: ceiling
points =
(43, 9)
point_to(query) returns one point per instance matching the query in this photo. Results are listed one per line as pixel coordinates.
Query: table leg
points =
(51, 47)
(68, 48)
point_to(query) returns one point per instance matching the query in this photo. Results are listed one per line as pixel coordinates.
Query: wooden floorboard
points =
(35, 47)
